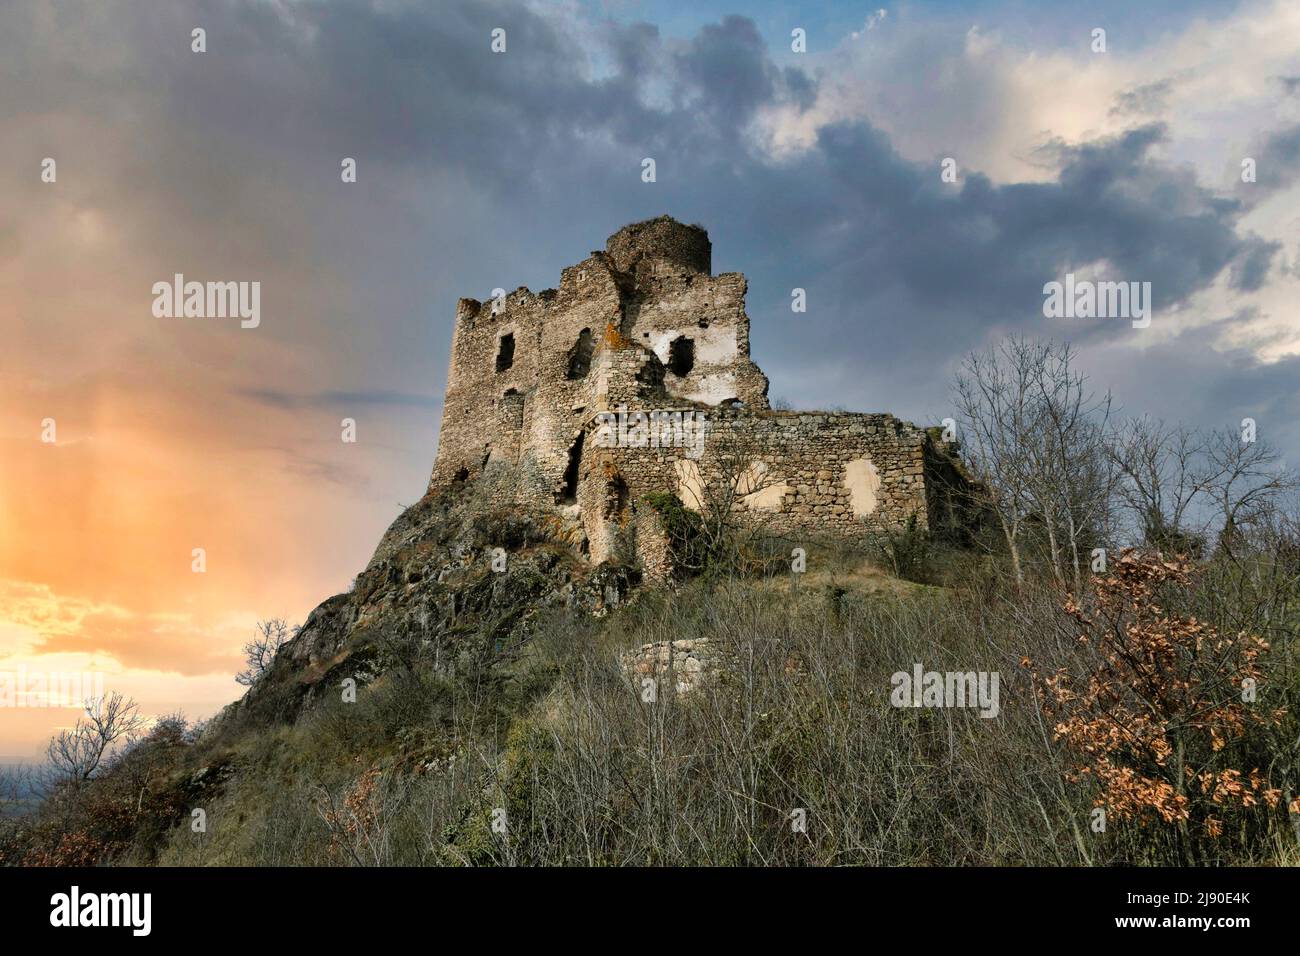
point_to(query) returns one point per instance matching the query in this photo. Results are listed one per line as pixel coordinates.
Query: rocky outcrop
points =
(453, 575)
(544, 488)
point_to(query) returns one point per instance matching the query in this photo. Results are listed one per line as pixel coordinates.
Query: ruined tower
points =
(643, 326)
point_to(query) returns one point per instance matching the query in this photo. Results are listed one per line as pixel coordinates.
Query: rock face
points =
(552, 388)
(564, 411)
(453, 576)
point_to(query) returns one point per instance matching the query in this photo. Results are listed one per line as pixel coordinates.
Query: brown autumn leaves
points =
(1150, 716)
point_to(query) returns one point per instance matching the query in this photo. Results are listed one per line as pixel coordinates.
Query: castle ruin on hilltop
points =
(631, 377)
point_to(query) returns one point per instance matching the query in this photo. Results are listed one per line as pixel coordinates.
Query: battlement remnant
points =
(660, 240)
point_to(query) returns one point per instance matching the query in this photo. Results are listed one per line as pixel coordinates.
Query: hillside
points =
(502, 717)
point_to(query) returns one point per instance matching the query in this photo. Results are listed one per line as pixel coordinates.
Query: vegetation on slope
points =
(1146, 712)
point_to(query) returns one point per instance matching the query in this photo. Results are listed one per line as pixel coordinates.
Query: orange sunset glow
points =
(98, 527)
(130, 436)
(161, 444)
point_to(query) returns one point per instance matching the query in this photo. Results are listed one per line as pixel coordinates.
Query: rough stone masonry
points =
(536, 378)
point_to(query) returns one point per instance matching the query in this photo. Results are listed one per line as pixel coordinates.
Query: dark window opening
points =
(681, 356)
(462, 475)
(506, 352)
(568, 493)
(580, 355)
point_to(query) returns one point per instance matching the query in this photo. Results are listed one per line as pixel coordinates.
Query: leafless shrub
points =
(259, 653)
(1162, 479)
(75, 755)
(1034, 438)
(739, 464)
(16, 787)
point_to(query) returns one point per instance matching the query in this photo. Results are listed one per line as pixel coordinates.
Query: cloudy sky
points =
(818, 169)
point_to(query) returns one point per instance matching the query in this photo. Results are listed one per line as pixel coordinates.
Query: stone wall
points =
(797, 474)
(677, 666)
(642, 326)
(650, 294)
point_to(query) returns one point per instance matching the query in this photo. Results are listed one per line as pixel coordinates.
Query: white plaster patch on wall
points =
(716, 345)
(759, 490)
(712, 389)
(661, 342)
(863, 481)
(690, 485)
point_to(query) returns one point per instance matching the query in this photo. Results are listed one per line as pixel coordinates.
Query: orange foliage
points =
(1150, 718)
(352, 825)
(78, 848)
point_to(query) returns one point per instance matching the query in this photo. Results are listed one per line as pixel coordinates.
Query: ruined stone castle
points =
(543, 386)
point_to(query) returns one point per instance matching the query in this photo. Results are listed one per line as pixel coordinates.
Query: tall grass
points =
(792, 754)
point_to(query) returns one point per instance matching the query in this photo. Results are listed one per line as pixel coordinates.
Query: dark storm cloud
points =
(1290, 84)
(1251, 268)
(478, 170)
(899, 264)
(1185, 381)
(726, 76)
(1278, 159)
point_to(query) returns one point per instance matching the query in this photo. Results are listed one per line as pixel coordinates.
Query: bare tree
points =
(74, 755)
(15, 787)
(736, 474)
(1033, 435)
(144, 761)
(1243, 481)
(996, 417)
(1073, 478)
(1163, 476)
(261, 650)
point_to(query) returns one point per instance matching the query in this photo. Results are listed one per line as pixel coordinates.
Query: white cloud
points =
(942, 89)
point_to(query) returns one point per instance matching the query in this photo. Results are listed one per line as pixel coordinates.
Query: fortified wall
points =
(554, 389)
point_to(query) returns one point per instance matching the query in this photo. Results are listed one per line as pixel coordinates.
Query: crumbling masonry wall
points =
(642, 326)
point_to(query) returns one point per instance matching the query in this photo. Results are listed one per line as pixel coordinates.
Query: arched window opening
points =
(580, 356)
